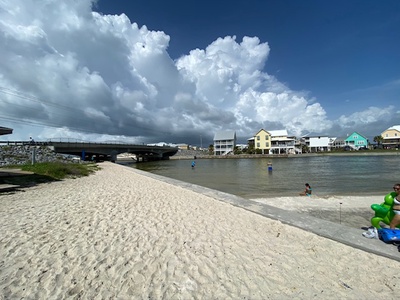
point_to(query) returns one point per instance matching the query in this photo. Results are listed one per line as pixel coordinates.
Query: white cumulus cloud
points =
(72, 72)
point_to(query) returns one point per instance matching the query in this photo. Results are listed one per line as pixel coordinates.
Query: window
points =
(258, 137)
(266, 137)
(267, 144)
(258, 145)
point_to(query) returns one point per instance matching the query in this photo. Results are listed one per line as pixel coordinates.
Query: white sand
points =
(305, 203)
(352, 211)
(121, 235)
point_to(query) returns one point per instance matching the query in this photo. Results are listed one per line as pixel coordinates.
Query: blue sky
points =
(344, 53)
(171, 71)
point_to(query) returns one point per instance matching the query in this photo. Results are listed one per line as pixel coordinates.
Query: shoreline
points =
(254, 156)
(122, 233)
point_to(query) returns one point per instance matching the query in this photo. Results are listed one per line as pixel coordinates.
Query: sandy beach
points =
(352, 211)
(119, 234)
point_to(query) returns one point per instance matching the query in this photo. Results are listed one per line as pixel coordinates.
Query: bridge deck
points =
(110, 150)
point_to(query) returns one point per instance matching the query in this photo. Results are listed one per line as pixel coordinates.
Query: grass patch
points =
(47, 172)
(59, 170)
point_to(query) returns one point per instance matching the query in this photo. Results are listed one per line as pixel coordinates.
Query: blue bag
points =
(389, 235)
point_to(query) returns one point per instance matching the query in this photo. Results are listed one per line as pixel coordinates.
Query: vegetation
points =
(305, 149)
(47, 172)
(59, 170)
(378, 139)
(237, 150)
(211, 149)
(249, 150)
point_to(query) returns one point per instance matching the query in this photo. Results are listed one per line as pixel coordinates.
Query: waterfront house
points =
(319, 143)
(391, 137)
(224, 142)
(339, 142)
(262, 141)
(251, 143)
(356, 141)
(281, 143)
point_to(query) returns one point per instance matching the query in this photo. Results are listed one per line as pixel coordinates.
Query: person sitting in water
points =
(307, 191)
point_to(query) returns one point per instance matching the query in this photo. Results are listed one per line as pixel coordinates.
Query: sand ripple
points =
(121, 235)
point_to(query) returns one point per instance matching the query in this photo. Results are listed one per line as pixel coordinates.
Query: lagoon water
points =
(250, 178)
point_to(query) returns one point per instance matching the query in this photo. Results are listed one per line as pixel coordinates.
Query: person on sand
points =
(307, 191)
(396, 207)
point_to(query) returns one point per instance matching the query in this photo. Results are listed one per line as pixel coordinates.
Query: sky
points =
(178, 71)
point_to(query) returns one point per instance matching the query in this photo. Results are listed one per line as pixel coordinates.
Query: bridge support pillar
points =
(114, 156)
(83, 155)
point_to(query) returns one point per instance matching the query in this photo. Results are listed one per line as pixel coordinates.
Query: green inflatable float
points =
(383, 212)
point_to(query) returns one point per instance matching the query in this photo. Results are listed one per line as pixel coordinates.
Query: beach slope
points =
(119, 234)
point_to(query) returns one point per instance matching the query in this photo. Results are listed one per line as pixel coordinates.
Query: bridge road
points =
(142, 152)
(106, 151)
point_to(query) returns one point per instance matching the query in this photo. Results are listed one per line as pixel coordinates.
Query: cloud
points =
(370, 115)
(78, 73)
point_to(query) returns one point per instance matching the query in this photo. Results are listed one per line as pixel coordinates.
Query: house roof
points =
(282, 132)
(225, 135)
(355, 132)
(317, 136)
(395, 127)
(339, 139)
(5, 130)
(262, 129)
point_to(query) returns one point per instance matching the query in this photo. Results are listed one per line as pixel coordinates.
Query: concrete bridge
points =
(105, 151)
(110, 151)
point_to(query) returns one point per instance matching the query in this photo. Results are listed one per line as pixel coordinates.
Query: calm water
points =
(249, 178)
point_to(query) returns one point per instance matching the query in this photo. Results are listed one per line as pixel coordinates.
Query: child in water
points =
(307, 191)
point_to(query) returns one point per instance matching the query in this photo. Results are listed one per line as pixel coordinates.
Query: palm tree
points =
(378, 139)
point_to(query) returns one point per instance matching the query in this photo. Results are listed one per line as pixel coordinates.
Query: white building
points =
(224, 142)
(319, 143)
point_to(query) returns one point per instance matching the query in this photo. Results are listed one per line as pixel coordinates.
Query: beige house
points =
(281, 143)
(391, 136)
(262, 141)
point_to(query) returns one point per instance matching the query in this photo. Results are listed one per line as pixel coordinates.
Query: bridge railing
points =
(67, 141)
(21, 143)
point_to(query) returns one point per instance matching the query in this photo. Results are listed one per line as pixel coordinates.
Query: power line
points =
(58, 110)
(21, 95)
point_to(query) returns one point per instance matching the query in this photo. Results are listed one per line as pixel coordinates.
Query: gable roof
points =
(355, 132)
(262, 129)
(225, 135)
(395, 127)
